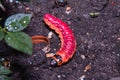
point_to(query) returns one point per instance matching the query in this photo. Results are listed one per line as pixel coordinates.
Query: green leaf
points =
(17, 22)
(2, 34)
(3, 77)
(4, 70)
(19, 41)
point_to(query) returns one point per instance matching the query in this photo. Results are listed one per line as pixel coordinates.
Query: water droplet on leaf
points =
(9, 38)
(16, 28)
(24, 21)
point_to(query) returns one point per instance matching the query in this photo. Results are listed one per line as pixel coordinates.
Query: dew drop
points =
(9, 38)
(10, 28)
(10, 25)
(16, 28)
(7, 27)
(24, 21)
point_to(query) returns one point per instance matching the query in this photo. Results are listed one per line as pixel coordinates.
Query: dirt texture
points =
(97, 56)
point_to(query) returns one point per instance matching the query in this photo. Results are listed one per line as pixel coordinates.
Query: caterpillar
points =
(68, 41)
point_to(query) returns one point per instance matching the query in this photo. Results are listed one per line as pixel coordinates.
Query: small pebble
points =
(63, 75)
(10, 1)
(59, 76)
(83, 57)
(82, 77)
(88, 67)
(68, 10)
(118, 55)
(50, 34)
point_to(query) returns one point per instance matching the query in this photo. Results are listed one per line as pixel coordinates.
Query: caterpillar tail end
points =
(53, 63)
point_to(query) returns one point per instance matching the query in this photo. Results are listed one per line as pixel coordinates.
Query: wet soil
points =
(97, 55)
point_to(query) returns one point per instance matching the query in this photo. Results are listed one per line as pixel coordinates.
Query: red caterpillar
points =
(68, 42)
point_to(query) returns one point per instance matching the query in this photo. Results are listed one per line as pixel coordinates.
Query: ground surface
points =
(98, 41)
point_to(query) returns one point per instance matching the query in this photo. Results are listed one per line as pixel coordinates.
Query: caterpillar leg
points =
(56, 60)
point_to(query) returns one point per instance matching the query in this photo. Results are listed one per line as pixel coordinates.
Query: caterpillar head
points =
(56, 60)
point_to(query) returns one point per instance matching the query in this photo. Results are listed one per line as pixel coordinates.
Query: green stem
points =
(5, 31)
(0, 27)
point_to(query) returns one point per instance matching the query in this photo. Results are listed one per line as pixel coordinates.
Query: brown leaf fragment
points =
(88, 67)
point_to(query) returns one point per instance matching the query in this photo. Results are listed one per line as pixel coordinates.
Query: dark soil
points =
(98, 41)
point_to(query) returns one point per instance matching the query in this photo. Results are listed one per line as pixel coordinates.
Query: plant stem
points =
(5, 30)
